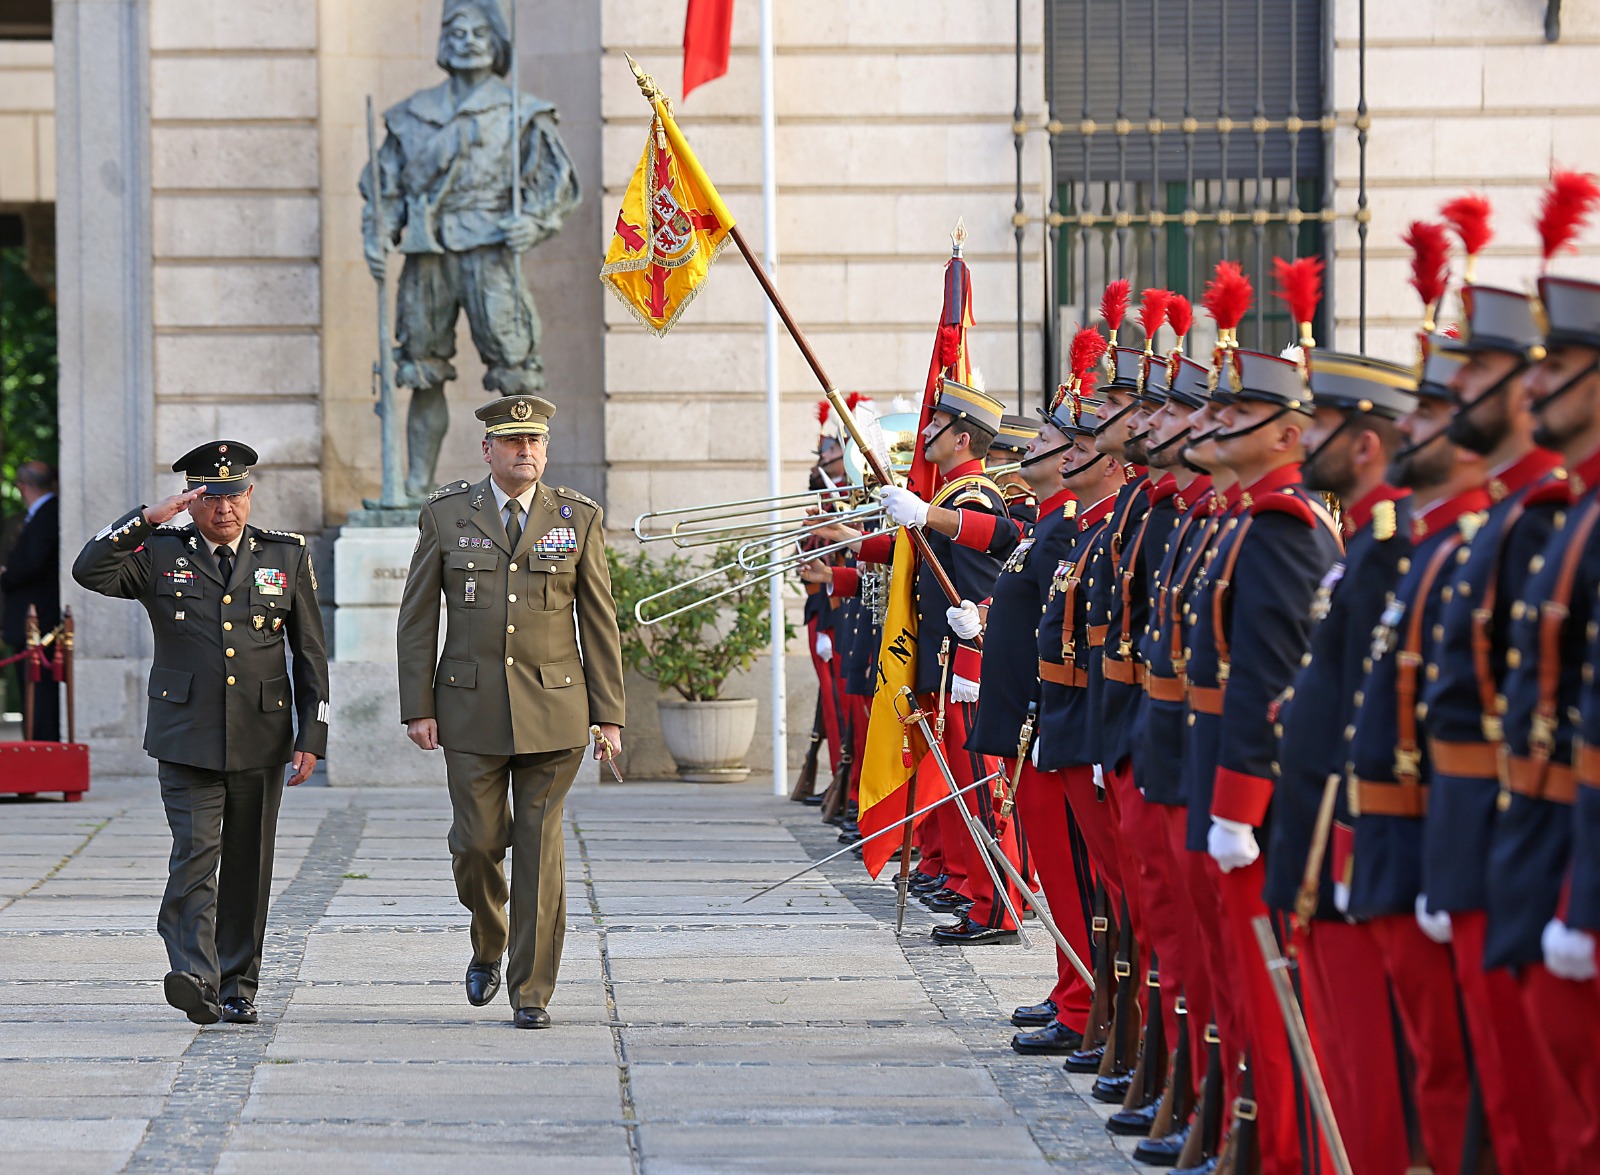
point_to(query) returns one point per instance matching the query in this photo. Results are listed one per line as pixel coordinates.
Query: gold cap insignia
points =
(522, 410)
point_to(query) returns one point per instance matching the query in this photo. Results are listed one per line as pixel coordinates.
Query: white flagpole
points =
(769, 212)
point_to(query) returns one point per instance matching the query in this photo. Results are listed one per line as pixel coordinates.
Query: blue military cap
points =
(1571, 312)
(1439, 367)
(1188, 382)
(1356, 383)
(1497, 320)
(1271, 379)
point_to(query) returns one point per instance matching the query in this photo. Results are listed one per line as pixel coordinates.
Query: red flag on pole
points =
(949, 358)
(707, 30)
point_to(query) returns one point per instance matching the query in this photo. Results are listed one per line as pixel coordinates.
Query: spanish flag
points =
(894, 751)
(671, 228)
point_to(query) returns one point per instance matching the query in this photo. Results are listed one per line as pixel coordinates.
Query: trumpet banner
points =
(671, 227)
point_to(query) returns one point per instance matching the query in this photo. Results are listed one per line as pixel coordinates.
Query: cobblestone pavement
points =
(692, 1033)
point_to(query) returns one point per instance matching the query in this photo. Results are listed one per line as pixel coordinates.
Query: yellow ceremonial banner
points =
(671, 228)
(884, 770)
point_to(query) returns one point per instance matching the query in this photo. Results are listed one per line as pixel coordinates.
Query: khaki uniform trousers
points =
(515, 802)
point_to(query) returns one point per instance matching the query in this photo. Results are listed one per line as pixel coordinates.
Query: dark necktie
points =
(225, 564)
(514, 524)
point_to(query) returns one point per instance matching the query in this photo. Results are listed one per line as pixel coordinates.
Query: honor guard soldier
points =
(1354, 446)
(1011, 448)
(1387, 769)
(1523, 1097)
(531, 659)
(1007, 710)
(1252, 625)
(1531, 858)
(970, 534)
(227, 601)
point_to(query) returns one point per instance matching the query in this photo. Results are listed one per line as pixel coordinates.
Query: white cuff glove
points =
(1099, 776)
(1568, 953)
(1232, 844)
(963, 689)
(1034, 756)
(824, 646)
(1435, 926)
(1341, 897)
(964, 620)
(903, 508)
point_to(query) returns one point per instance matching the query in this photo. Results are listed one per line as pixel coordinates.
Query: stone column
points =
(106, 392)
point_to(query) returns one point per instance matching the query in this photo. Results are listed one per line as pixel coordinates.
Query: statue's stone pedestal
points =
(367, 746)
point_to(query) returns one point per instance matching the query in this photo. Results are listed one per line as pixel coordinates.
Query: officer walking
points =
(531, 658)
(226, 600)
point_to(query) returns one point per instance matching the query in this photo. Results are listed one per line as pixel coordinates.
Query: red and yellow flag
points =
(671, 228)
(891, 759)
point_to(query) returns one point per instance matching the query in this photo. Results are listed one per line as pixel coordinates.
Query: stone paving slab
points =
(694, 1032)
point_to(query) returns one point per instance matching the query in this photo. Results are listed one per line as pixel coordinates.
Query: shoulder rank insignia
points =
(1070, 509)
(285, 536)
(1384, 523)
(565, 492)
(1470, 524)
(444, 491)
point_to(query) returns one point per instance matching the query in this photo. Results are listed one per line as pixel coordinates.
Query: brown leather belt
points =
(1164, 689)
(1391, 799)
(1123, 672)
(1063, 674)
(1468, 760)
(1588, 765)
(1541, 779)
(1097, 635)
(1206, 699)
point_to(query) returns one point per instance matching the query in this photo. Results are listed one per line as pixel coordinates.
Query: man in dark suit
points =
(226, 601)
(30, 576)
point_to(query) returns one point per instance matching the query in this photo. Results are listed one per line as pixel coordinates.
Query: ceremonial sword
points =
(607, 751)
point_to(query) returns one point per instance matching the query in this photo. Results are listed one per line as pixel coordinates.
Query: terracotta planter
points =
(709, 740)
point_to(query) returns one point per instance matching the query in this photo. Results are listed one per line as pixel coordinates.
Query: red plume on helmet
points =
(1430, 266)
(1227, 300)
(1180, 317)
(1114, 306)
(1300, 289)
(1469, 216)
(1088, 345)
(1153, 309)
(823, 408)
(1568, 203)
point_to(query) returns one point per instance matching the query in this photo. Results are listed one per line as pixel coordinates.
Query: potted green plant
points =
(694, 652)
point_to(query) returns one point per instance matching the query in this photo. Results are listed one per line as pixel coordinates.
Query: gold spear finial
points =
(958, 237)
(647, 84)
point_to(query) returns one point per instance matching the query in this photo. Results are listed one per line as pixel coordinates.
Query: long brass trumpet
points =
(692, 522)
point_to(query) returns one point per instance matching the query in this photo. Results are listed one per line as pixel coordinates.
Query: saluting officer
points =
(531, 658)
(226, 601)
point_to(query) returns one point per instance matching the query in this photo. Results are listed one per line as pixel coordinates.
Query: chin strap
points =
(1114, 417)
(1045, 456)
(1462, 407)
(1084, 468)
(1258, 425)
(1315, 453)
(1167, 444)
(1411, 451)
(1589, 369)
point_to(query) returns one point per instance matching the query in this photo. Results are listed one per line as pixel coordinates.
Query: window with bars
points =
(1183, 132)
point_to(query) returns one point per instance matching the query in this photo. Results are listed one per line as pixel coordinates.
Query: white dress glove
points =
(1232, 844)
(1099, 776)
(1568, 953)
(903, 508)
(1435, 926)
(824, 646)
(964, 620)
(1341, 897)
(963, 689)
(1034, 754)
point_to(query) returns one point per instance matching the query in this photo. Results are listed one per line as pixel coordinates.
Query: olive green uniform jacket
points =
(532, 656)
(222, 697)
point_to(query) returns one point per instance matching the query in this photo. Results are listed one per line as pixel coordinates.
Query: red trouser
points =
(1528, 1104)
(1203, 883)
(1097, 822)
(1271, 1069)
(1566, 1026)
(1147, 858)
(1347, 1003)
(1424, 985)
(964, 857)
(860, 713)
(1196, 974)
(1054, 846)
(830, 690)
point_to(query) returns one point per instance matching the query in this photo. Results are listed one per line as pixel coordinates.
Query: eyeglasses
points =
(212, 501)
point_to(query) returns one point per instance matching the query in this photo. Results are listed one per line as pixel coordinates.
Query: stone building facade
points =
(201, 156)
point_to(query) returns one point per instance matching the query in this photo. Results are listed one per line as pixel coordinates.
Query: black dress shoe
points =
(947, 901)
(814, 800)
(849, 834)
(1204, 1168)
(1112, 1090)
(1035, 1015)
(927, 883)
(1085, 1060)
(483, 980)
(1162, 1152)
(969, 933)
(531, 1018)
(236, 1009)
(1134, 1123)
(1054, 1039)
(192, 996)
